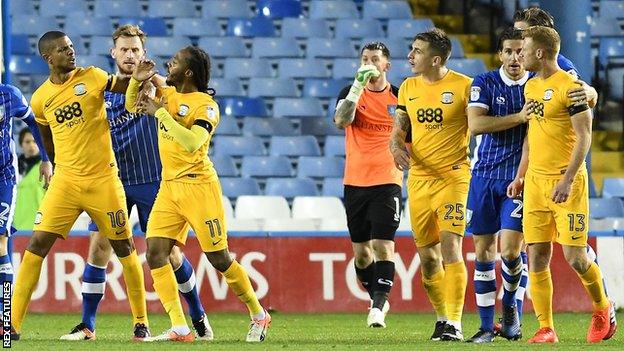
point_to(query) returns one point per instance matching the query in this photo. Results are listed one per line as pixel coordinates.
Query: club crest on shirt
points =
(475, 93)
(108, 104)
(500, 100)
(548, 94)
(447, 97)
(80, 89)
(183, 110)
(38, 217)
(212, 114)
(1, 113)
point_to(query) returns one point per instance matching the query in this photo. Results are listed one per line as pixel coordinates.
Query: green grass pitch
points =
(302, 332)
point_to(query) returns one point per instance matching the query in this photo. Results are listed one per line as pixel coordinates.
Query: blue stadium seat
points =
(399, 47)
(20, 45)
(398, 72)
(275, 47)
(235, 187)
(53, 8)
(334, 146)
(611, 9)
(324, 88)
(613, 187)
(228, 126)
(239, 146)
(302, 68)
(227, 87)
(616, 85)
(467, 66)
(224, 165)
(297, 107)
(272, 87)
(333, 9)
(22, 7)
(346, 68)
(305, 28)
(279, 8)
(94, 60)
(610, 47)
(152, 26)
(117, 8)
(33, 25)
(172, 8)
(605, 27)
(27, 64)
(268, 126)
(242, 106)
(333, 187)
(196, 27)
(603, 207)
(36, 80)
(319, 126)
(320, 167)
(457, 50)
(358, 28)
(80, 24)
(225, 9)
(247, 68)
(166, 46)
(386, 9)
(291, 187)
(224, 46)
(408, 28)
(330, 48)
(100, 45)
(251, 27)
(305, 145)
(266, 166)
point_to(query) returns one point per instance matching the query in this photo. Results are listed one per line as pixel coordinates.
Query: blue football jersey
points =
(567, 65)
(12, 105)
(135, 142)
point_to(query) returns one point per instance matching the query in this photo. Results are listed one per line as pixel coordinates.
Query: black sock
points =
(384, 278)
(366, 276)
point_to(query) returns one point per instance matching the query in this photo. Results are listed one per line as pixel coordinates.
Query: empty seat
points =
(324, 88)
(78, 24)
(100, 45)
(152, 26)
(243, 225)
(251, 27)
(239, 146)
(224, 165)
(346, 68)
(52, 8)
(242, 106)
(289, 225)
(467, 66)
(225, 9)
(33, 25)
(94, 60)
(457, 51)
(602, 227)
(228, 126)
(333, 187)
(266, 166)
(275, 47)
(23, 7)
(272, 87)
(408, 28)
(400, 71)
(318, 207)
(613, 187)
(305, 145)
(616, 88)
(171, 8)
(606, 207)
(228, 209)
(223, 46)
(278, 8)
(302, 68)
(319, 126)
(333, 9)
(605, 27)
(166, 46)
(358, 28)
(611, 9)
(227, 87)
(233, 187)
(81, 223)
(297, 107)
(117, 8)
(305, 28)
(335, 146)
(27, 64)
(610, 47)
(333, 225)
(261, 207)
(291, 187)
(268, 126)
(330, 48)
(20, 45)
(320, 167)
(247, 68)
(399, 47)
(196, 27)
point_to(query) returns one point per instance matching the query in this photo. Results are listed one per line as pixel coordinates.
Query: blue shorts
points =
(489, 209)
(7, 209)
(141, 195)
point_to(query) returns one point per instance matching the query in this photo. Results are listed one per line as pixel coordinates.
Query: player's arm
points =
(345, 110)
(144, 70)
(514, 189)
(479, 122)
(400, 131)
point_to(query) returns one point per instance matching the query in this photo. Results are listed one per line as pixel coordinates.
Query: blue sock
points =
(93, 285)
(524, 280)
(6, 272)
(511, 272)
(185, 276)
(485, 291)
(593, 257)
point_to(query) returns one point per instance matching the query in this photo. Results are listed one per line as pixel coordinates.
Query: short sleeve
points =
(103, 80)
(208, 113)
(480, 95)
(37, 107)
(401, 102)
(19, 105)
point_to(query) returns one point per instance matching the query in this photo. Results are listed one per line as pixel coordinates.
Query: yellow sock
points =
(434, 286)
(135, 287)
(237, 279)
(25, 284)
(455, 281)
(541, 288)
(167, 289)
(592, 279)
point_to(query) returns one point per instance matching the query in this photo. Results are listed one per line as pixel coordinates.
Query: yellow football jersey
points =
(439, 123)
(551, 136)
(186, 109)
(76, 114)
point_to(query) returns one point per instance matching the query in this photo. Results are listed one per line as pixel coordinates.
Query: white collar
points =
(510, 82)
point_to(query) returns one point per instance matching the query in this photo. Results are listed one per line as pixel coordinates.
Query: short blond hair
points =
(129, 30)
(546, 38)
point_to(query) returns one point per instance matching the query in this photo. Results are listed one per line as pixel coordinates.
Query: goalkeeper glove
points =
(363, 75)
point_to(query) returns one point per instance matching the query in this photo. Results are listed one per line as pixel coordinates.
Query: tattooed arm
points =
(345, 113)
(397, 140)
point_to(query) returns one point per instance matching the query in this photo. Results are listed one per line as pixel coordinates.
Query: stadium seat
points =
(611, 9)
(330, 48)
(266, 166)
(333, 187)
(171, 8)
(386, 9)
(272, 87)
(242, 106)
(102, 62)
(289, 225)
(80, 24)
(233, 187)
(225, 9)
(268, 126)
(152, 26)
(358, 28)
(291, 187)
(227, 86)
(333, 9)
(243, 225)
(228, 209)
(53, 8)
(166, 46)
(302, 68)
(224, 165)
(346, 68)
(82, 222)
(247, 68)
(320, 167)
(603, 226)
(408, 28)
(275, 47)
(251, 27)
(457, 51)
(399, 71)
(616, 83)
(278, 8)
(618, 225)
(319, 126)
(324, 88)
(33, 25)
(197, 27)
(224, 46)
(22, 7)
(305, 28)
(305, 145)
(605, 27)
(610, 47)
(27, 64)
(261, 207)
(398, 46)
(318, 207)
(333, 225)
(334, 146)
(117, 8)
(228, 126)
(239, 146)
(613, 187)
(297, 107)
(20, 45)
(606, 207)
(100, 45)
(468, 66)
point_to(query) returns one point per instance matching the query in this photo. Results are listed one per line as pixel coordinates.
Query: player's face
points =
(420, 57)
(29, 146)
(377, 59)
(176, 68)
(521, 25)
(510, 57)
(126, 52)
(528, 55)
(62, 55)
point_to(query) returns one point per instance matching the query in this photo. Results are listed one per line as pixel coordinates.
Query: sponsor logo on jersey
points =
(80, 89)
(500, 100)
(447, 97)
(183, 110)
(475, 93)
(548, 94)
(38, 217)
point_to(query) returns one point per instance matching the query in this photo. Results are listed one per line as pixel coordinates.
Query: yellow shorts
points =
(102, 198)
(544, 221)
(437, 205)
(199, 205)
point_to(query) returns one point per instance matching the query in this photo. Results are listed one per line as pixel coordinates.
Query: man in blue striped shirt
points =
(135, 143)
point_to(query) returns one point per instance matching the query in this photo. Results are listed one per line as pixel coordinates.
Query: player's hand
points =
(527, 110)
(144, 70)
(45, 173)
(401, 158)
(147, 105)
(561, 192)
(514, 189)
(365, 73)
(584, 93)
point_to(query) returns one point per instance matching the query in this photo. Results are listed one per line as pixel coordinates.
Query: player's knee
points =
(430, 264)
(156, 258)
(122, 248)
(220, 260)
(176, 257)
(578, 260)
(510, 253)
(384, 251)
(40, 243)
